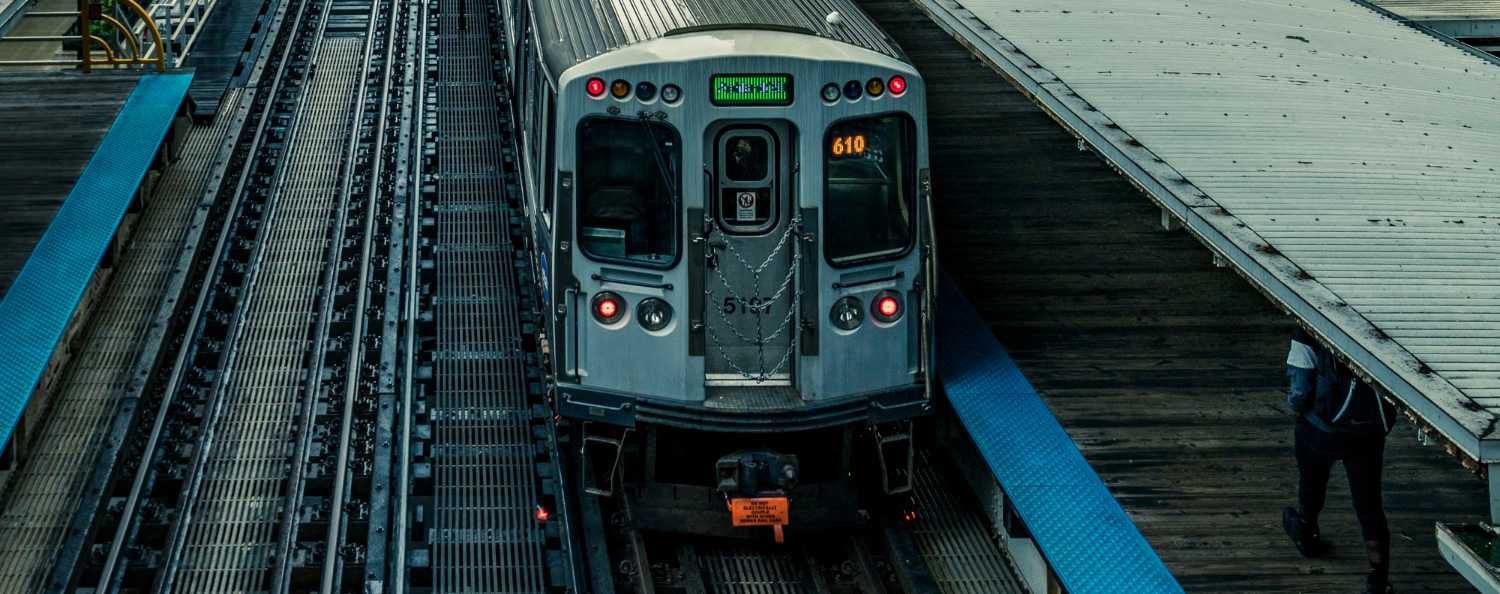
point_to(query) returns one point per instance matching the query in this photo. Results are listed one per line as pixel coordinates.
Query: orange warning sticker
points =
(759, 511)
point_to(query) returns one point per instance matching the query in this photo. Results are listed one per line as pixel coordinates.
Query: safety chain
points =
(757, 305)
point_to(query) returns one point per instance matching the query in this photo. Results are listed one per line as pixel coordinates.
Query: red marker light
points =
(542, 515)
(608, 307)
(889, 307)
(897, 85)
(595, 87)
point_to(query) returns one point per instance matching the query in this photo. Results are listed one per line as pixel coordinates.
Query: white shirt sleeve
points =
(1301, 356)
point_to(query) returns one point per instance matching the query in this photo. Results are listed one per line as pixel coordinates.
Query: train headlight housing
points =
(897, 85)
(846, 314)
(645, 91)
(831, 92)
(653, 314)
(671, 93)
(608, 307)
(620, 88)
(853, 90)
(875, 87)
(887, 307)
(595, 87)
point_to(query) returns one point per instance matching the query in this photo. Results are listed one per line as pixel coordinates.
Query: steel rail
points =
(108, 579)
(281, 574)
(409, 316)
(331, 559)
(178, 538)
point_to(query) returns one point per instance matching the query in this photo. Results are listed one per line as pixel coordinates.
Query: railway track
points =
(484, 515)
(936, 542)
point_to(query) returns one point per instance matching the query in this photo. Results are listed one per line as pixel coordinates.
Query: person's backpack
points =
(1346, 403)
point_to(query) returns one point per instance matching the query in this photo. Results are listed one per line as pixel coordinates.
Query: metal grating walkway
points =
(484, 538)
(41, 498)
(961, 551)
(233, 532)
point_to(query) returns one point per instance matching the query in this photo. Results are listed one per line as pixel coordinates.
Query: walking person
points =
(1340, 418)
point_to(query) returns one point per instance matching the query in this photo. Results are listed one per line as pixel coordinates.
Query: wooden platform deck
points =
(52, 123)
(1167, 371)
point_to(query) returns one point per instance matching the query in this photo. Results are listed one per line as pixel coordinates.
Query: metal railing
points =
(120, 44)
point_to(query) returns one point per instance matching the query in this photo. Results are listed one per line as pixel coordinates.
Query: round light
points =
(852, 90)
(671, 93)
(831, 92)
(653, 314)
(887, 306)
(608, 307)
(595, 87)
(645, 91)
(897, 85)
(846, 314)
(620, 88)
(875, 87)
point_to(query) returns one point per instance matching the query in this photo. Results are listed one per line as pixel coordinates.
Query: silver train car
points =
(730, 211)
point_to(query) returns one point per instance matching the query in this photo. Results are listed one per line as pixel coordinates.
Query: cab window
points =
(869, 183)
(628, 188)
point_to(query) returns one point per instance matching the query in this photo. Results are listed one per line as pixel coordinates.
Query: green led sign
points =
(752, 89)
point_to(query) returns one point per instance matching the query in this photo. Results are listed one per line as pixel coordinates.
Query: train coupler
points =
(897, 456)
(756, 473)
(603, 446)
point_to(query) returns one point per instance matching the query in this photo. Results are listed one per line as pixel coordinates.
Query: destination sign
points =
(765, 90)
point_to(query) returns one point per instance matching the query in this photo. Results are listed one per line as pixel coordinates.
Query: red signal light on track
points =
(595, 87)
(542, 515)
(897, 85)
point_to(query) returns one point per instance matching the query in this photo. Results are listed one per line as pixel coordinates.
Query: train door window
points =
(629, 180)
(549, 172)
(747, 180)
(869, 183)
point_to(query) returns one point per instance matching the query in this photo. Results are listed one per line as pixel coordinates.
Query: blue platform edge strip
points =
(1090, 543)
(39, 305)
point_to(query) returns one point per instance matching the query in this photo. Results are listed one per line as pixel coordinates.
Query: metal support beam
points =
(1493, 472)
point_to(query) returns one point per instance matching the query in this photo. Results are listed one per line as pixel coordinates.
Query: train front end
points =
(741, 268)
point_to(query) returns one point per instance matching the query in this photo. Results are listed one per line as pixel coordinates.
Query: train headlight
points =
(831, 92)
(875, 87)
(852, 90)
(671, 93)
(620, 88)
(653, 314)
(595, 87)
(887, 307)
(645, 91)
(897, 85)
(846, 314)
(608, 307)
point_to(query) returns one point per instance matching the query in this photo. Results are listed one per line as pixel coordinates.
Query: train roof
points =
(572, 31)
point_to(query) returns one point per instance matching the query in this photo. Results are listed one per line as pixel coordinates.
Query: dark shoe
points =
(1374, 585)
(1309, 543)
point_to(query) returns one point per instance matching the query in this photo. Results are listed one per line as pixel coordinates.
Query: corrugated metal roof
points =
(1346, 163)
(576, 30)
(1442, 9)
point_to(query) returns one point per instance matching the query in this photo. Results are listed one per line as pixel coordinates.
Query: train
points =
(729, 209)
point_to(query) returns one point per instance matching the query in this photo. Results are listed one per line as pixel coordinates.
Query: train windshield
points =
(628, 186)
(869, 168)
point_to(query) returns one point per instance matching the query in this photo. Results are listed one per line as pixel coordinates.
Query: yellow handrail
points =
(161, 56)
(108, 53)
(135, 48)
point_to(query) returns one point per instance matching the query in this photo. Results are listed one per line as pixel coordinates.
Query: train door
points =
(751, 293)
